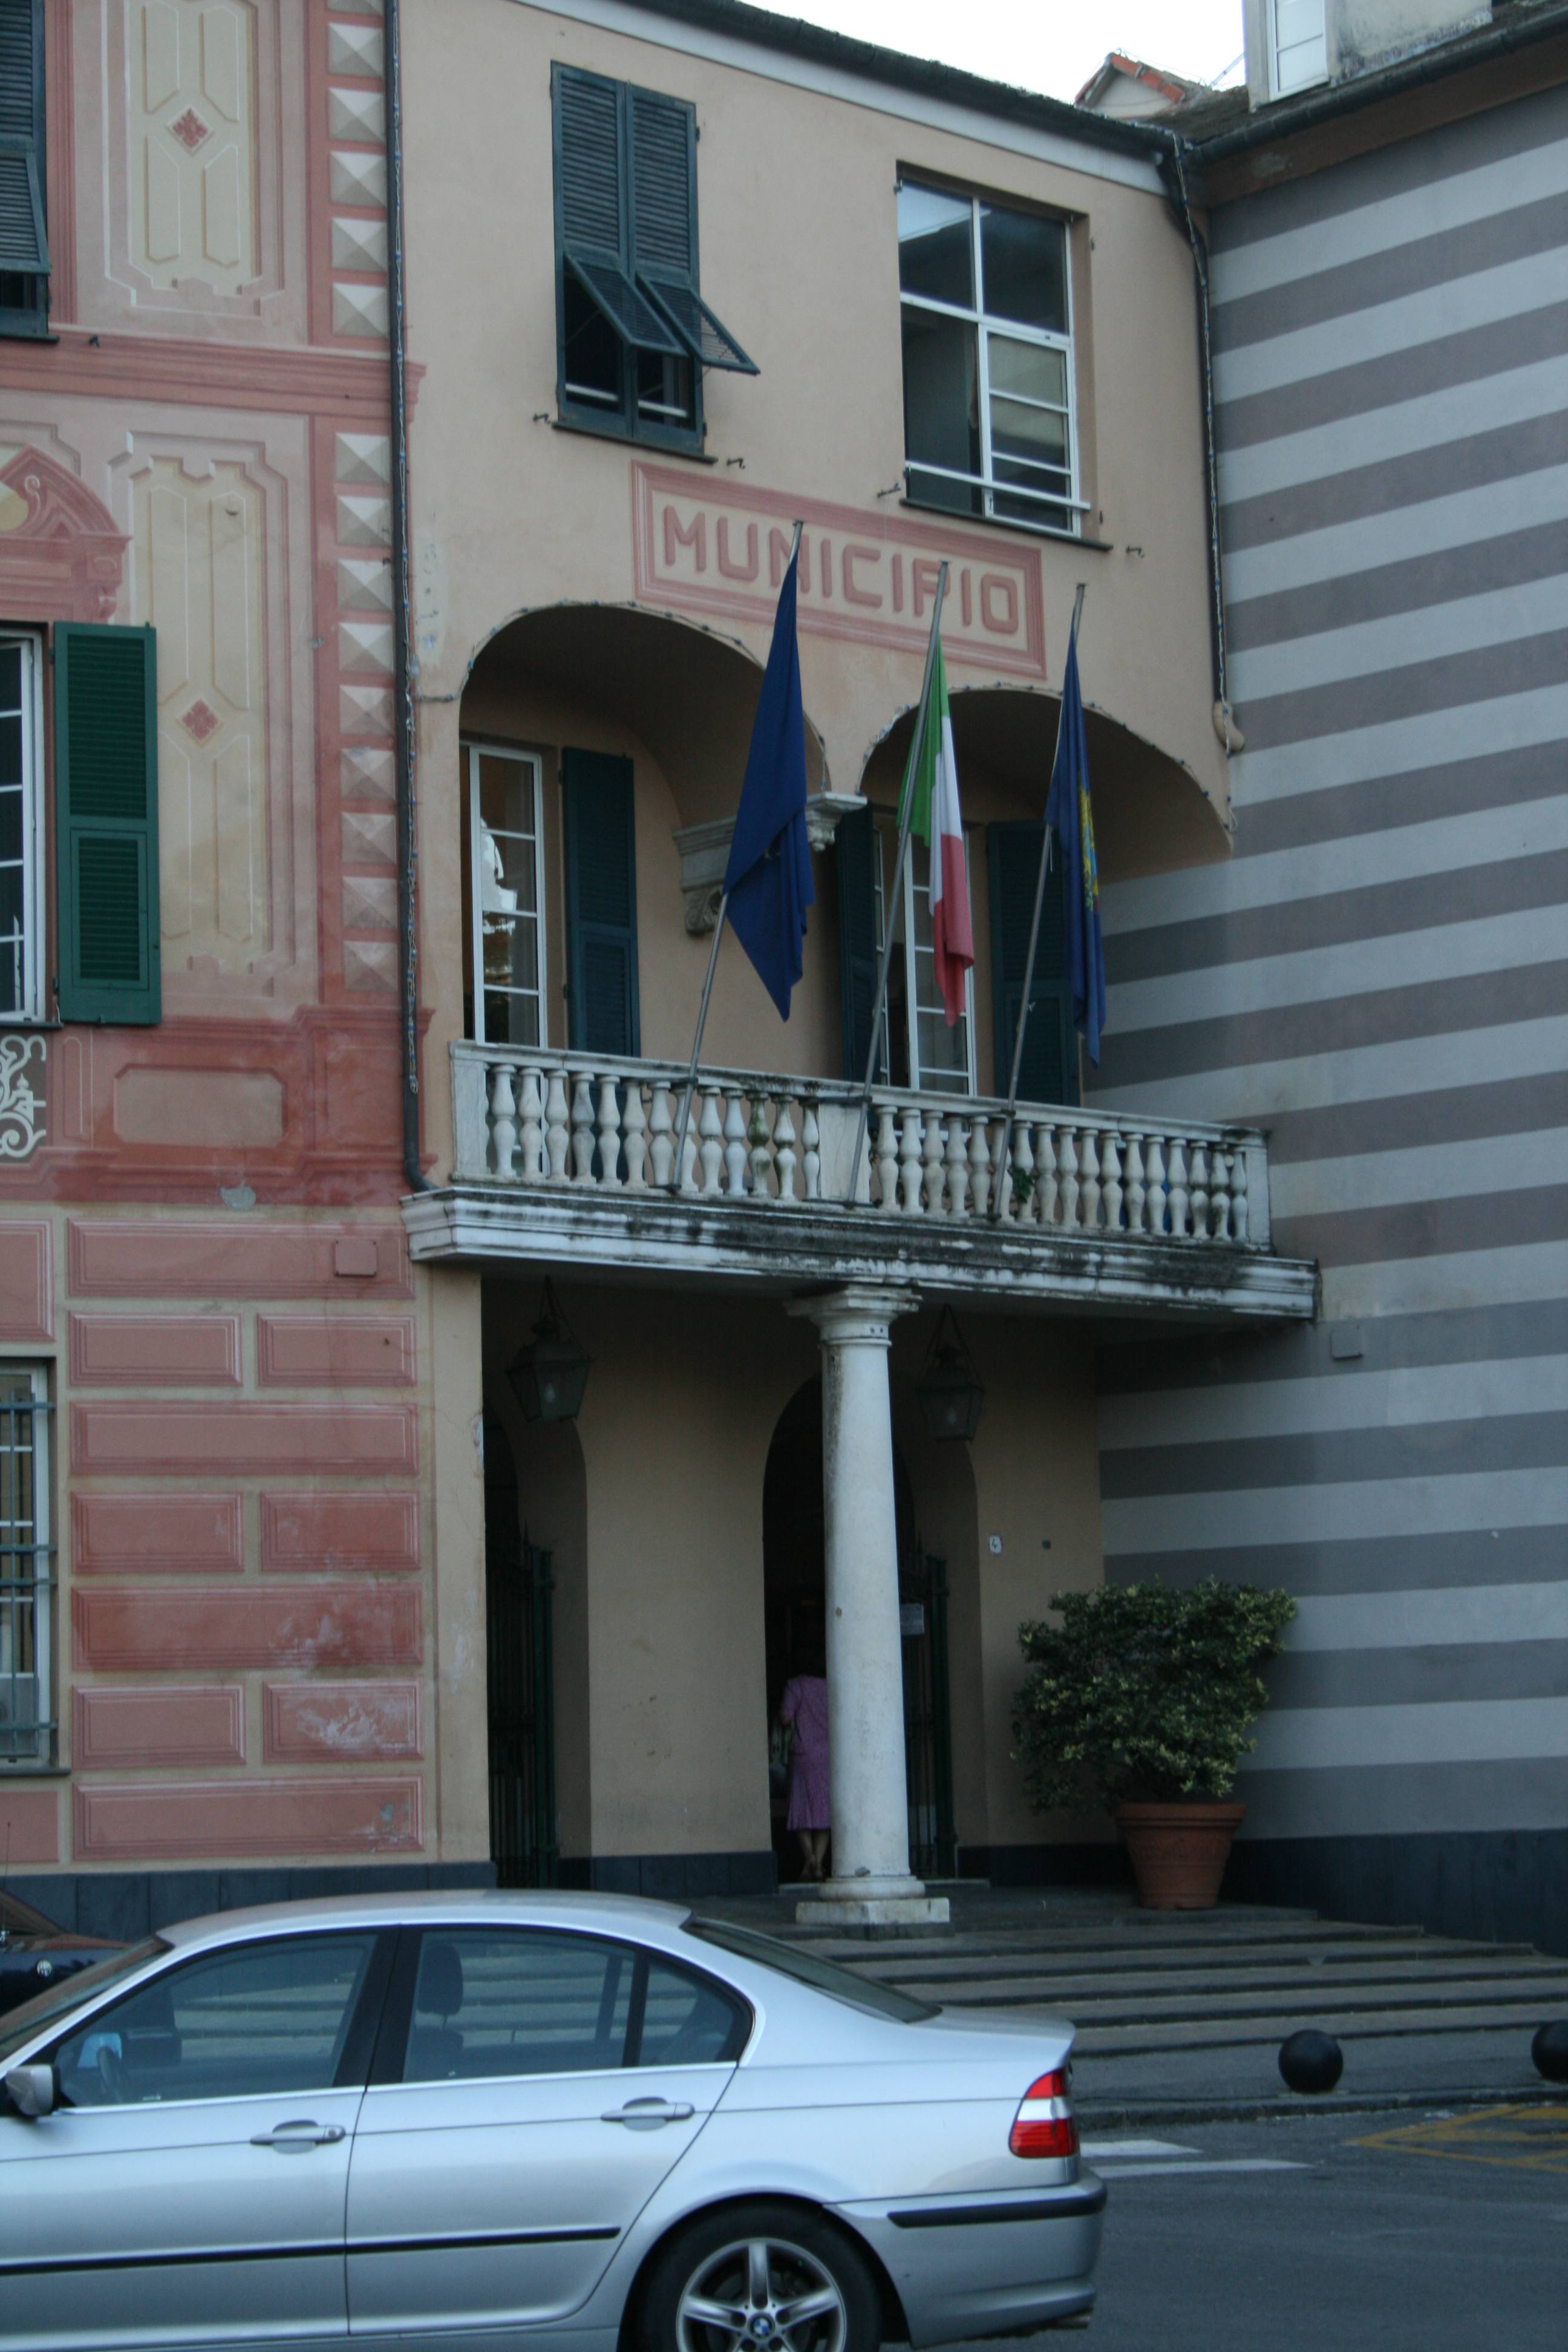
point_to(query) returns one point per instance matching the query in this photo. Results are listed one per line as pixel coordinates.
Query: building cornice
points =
(281, 379)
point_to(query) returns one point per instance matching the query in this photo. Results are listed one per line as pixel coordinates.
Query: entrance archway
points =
(794, 1627)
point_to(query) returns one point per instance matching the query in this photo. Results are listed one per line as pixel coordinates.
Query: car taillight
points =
(1044, 2125)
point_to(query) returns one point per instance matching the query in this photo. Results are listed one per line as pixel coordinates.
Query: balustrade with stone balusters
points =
(547, 1119)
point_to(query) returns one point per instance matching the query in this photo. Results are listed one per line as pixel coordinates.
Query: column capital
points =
(860, 1310)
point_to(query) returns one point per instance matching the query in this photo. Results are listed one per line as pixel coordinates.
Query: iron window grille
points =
(633, 333)
(27, 1557)
(990, 424)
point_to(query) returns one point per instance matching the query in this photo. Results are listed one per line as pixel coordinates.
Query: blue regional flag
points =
(1068, 808)
(768, 877)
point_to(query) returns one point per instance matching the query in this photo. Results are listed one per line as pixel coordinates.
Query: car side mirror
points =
(31, 2090)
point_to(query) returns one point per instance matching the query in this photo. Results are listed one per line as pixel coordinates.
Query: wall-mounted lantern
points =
(949, 1389)
(550, 1372)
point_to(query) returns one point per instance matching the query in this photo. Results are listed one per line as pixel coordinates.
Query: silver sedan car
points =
(460, 2118)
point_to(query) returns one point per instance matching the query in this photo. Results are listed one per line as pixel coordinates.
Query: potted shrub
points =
(1144, 1696)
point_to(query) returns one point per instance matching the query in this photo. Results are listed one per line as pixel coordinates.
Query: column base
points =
(891, 1902)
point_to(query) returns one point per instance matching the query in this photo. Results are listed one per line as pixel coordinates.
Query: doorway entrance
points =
(520, 1678)
(794, 1623)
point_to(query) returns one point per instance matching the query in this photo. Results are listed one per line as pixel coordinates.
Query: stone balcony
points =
(569, 1158)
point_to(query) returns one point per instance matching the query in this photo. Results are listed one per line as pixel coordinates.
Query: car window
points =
(243, 2022)
(688, 2020)
(23, 2024)
(488, 2003)
(822, 1976)
(530, 2001)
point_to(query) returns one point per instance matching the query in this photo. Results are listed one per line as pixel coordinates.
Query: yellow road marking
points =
(1529, 2138)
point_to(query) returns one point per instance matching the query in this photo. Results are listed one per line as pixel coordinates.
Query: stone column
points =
(871, 1883)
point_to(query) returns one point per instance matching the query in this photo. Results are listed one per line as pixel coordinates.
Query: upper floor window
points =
(1298, 45)
(102, 962)
(21, 842)
(505, 894)
(988, 363)
(633, 331)
(23, 241)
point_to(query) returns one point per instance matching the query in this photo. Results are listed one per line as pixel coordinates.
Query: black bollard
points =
(1311, 2062)
(1550, 2052)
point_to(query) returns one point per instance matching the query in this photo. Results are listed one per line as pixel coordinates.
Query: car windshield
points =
(21, 2025)
(822, 1976)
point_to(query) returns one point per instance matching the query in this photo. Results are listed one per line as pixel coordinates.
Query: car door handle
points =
(647, 2115)
(301, 2134)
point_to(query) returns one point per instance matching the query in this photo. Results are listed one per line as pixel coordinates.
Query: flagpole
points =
(677, 1174)
(891, 905)
(1005, 1152)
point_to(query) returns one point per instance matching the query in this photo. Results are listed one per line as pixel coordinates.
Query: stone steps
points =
(1144, 1984)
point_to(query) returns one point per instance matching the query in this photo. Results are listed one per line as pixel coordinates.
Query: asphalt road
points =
(1402, 2233)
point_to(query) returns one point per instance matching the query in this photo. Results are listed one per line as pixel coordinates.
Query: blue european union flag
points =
(768, 877)
(1068, 808)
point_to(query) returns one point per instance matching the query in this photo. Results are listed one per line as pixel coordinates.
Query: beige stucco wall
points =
(799, 257)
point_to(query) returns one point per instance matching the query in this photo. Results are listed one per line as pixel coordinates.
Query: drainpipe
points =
(1173, 170)
(401, 627)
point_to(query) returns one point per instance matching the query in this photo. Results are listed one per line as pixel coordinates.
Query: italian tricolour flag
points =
(935, 819)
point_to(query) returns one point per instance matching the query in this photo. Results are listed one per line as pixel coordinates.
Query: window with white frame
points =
(1298, 45)
(988, 365)
(24, 1556)
(919, 1049)
(506, 894)
(21, 831)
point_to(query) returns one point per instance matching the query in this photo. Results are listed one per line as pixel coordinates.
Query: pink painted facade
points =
(200, 1257)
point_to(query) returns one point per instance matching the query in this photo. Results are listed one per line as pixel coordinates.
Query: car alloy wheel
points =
(762, 2295)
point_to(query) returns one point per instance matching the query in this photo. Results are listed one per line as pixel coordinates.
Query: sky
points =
(1049, 44)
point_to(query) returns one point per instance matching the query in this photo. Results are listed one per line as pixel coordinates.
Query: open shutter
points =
(592, 210)
(106, 830)
(24, 242)
(601, 903)
(663, 137)
(1049, 1073)
(855, 845)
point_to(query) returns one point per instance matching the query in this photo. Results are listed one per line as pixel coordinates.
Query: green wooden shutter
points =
(1049, 1070)
(23, 241)
(106, 823)
(856, 844)
(601, 903)
(662, 135)
(588, 161)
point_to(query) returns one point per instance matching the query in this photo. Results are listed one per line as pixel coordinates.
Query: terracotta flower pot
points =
(1179, 1851)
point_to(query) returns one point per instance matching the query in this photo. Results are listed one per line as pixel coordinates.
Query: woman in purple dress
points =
(804, 1708)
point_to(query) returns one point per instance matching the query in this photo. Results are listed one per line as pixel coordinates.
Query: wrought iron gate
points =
(518, 1590)
(927, 1735)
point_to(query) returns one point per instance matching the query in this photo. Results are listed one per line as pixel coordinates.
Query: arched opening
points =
(1149, 814)
(601, 753)
(794, 1627)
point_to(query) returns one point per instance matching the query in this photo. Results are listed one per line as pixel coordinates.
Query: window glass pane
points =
(935, 247)
(21, 2025)
(511, 1019)
(942, 1053)
(527, 2003)
(686, 2022)
(1028, 371)
(1036, 434)
(663, 389)
(593, 349)
(941, 407)
(506, 793)
(1023, 268)
(249, 2022)
(807, 1968)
